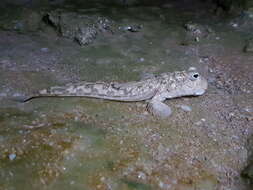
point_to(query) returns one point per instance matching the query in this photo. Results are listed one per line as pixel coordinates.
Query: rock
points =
(192, 27)
(196, 32)
(78, 27)
(131, 28)
(85, 35)
(235, 25)
(185, 108)
(12, 156)
(142, 59)
(45, 50)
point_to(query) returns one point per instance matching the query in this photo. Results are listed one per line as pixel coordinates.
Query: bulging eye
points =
(194, 76)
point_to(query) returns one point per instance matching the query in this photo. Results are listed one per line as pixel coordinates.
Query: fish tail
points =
(22, 99)
(51, 92)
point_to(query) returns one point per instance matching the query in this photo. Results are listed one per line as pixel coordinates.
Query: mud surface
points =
(80, 143)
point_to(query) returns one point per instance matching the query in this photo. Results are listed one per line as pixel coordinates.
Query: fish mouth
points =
(200, 92)
(203, 88)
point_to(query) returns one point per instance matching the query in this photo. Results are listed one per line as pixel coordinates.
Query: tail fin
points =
(22, 99)
(51, 92)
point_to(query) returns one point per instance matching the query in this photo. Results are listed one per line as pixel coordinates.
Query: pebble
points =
(18, 26)
(202, 120)
(185, 108)
(235, 25)
(164, 185)
(248, 109)
(12, 156)
(102, 179)
(45, 50)
(141, 175)
(72, 182)
(142, 59)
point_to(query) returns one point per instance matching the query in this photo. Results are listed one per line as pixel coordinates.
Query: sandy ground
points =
(80, 143)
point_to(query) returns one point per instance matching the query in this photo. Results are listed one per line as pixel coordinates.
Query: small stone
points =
(198, 123)
(141, 175)
(185, 108)
(191, 27)
(18, 25)
(235, 25)
(12, 156)
(134, 28)
(248, 109)
(45, 50)
(72, 182)
(161, 184)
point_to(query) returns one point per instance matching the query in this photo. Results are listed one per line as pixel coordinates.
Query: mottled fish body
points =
(155, 89)
(132, 91)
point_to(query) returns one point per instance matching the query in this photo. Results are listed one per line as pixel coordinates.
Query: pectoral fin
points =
(159, 109)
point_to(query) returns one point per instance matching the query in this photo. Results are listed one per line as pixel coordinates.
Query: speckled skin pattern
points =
(155, 89)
